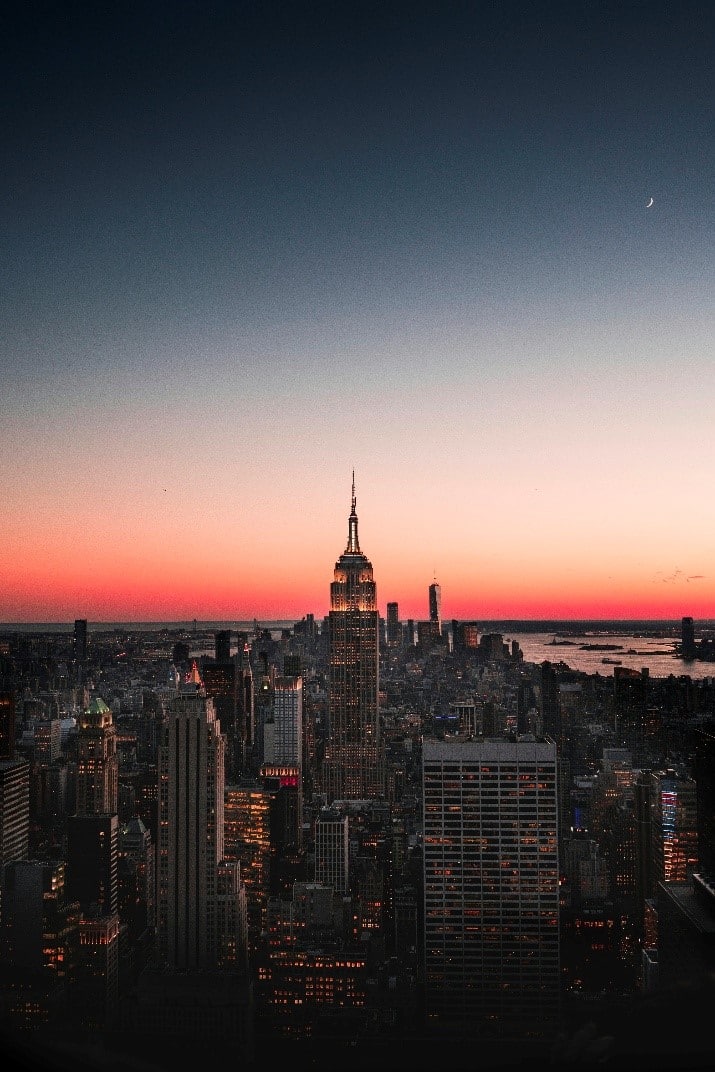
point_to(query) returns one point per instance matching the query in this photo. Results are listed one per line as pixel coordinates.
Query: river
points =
(636, 652)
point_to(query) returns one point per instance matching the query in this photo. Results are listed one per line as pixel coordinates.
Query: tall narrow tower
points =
(351, 769)
(93, 832)
(435, 611)
(191, 807)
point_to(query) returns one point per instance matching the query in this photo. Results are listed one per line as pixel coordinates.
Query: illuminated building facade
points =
(47, 741)
(673, 826)
(283, 737)
(93, 832)
(38, 924)
(295, 987)
(284, 782)
(38, 944)
(351, 768)
(491, 884)
(191, 831)
(247, 839)
(98, 763)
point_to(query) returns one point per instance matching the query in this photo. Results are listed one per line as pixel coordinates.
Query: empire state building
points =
(351, 765)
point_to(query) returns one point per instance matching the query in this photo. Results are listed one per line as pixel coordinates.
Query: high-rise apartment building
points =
(7, 710)
(491, 884)
(283, 737)
(688, 647)
(38, 925)
(191, 831)
(351, 765)
(248, 816)
(93, 832)
(14, 810)
(331, 850)
(92, 862)
(435, 609)
(79, 649)
(222, 645)
(97, 763)
(393, 629)
(705, 803)
(674, 826)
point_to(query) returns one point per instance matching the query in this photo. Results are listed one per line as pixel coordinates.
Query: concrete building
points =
(491, 884)
(191, 831)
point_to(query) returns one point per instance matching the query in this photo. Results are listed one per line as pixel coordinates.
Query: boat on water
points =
(613, 662)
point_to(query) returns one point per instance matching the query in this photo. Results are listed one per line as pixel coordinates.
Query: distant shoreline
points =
(559, 626)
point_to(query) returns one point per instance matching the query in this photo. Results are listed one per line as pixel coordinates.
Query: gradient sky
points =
(248, 247)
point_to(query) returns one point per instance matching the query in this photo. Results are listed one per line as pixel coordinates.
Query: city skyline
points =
(464, 250)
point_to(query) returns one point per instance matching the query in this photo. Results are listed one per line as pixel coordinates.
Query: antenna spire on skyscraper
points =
(353, 545)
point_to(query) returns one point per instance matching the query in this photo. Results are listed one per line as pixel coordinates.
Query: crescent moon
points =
(649, 203)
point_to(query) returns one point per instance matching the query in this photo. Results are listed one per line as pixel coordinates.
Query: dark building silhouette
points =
(688, 649)
(393, 630)
(7, 724)
(79, 649)
(92, 844)
(222, 646)
(180, 654)
(705, 800)
(435, 611)
(92, 863)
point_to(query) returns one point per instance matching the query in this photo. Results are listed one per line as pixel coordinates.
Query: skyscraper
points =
(191, 814)
(688, 647)
(331, 850)
(283, 737)
(674, 827)
(435, 609)
(92, 834)
(7, 708)
(351, 765)
(14, 810)
(222, 646)
(393, 628)
(98, 765)
(79, 649)
(491, 889)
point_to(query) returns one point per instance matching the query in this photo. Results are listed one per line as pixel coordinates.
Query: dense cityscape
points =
(435, 795)
(354, 842)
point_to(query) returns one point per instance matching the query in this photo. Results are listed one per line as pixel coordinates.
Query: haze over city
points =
(462, 249)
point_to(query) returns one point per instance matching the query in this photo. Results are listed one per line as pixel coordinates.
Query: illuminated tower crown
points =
(351, 767)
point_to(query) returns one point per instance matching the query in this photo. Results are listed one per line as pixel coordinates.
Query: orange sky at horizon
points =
(215, 557)
(108, 592)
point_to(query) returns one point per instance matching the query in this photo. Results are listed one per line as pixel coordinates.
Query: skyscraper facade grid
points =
(351, 768)
(191, 832)
(491, 889)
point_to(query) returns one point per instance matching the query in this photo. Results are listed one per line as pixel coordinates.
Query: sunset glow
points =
(424, 254)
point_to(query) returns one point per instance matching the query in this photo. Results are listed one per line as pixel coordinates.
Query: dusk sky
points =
(248, 247)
